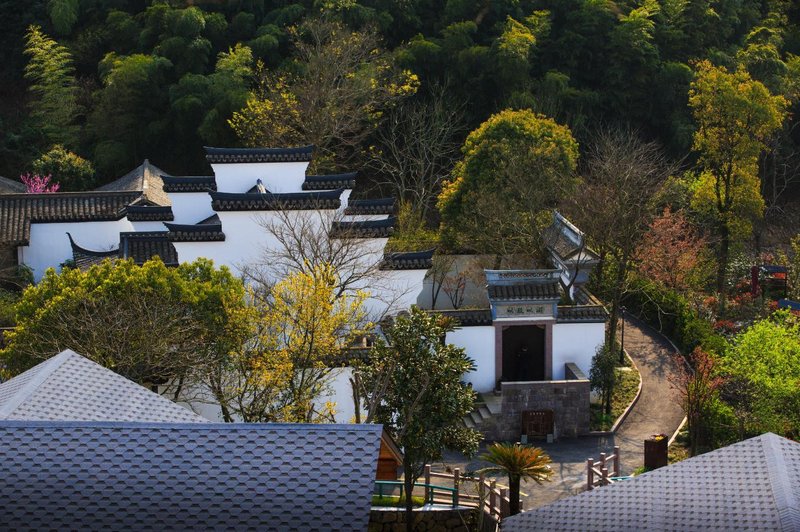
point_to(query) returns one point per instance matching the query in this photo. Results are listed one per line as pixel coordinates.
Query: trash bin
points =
(656, 451)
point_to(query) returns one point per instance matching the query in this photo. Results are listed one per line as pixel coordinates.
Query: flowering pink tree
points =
(36, 184)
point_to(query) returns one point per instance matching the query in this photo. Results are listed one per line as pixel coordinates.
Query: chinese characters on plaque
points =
(524, 310)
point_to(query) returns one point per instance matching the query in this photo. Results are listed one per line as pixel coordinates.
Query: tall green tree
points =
(52, 77)
(516, 167)
(69, 170)
(735, 117)
(414, 388)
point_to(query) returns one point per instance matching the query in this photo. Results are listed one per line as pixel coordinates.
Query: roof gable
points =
(10, 186)
(145, 178)
(71, 387)
(187, 476)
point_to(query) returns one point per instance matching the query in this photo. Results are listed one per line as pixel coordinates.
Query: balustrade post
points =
(603, 459)
(428, 491)
(456, 482)
(504, 509)
(616, 460)
(492, 497)
(604, 471)
(590, 474)
(481, 493)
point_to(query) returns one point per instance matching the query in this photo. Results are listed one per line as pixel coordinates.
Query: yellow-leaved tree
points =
(305, 329)
(735, 117)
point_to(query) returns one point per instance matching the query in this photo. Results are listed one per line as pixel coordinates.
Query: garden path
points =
(657, 411)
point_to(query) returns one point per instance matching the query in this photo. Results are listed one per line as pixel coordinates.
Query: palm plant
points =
(518, 462)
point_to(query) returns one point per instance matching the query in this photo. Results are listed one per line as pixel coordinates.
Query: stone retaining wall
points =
(568, 399)
(433, 520)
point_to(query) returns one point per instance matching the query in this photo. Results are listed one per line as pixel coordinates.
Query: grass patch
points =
(395, 501)
(679, 450)
(624, 393)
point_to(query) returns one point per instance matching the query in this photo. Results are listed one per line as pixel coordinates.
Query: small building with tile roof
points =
(10, 186)
(75, 475)
(750, 485)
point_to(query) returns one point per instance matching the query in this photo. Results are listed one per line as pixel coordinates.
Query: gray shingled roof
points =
(363, 229)
(85, 258)
(371, 206)
(197, 183)
(200, 476)
(146, 179)
(142, 246)
(468, 317)
(18, 211)
(565, 240)
(202, 232)
(10, 186)
(750, 485)
(408, 260)
(71, 387)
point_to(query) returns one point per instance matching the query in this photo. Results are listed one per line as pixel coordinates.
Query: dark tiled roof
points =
(18, 211)
(415, 260)
(142, 246)
(363, 229)
(330, 182)
(189, 183)
(525, 291)
(564, 239)
(9, 186)
(582, 313)
(71, 387)
(468, 317)
(85, 258)
(750, 485)
(146, 179)
(225, 201)
(258, 155)
(195, 232)
(370, 206)
(153, 213)
(188, 476)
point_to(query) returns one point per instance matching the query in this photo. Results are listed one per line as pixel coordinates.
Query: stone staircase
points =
(481, 418)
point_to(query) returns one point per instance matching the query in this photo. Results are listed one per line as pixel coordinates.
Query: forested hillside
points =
(115, 81)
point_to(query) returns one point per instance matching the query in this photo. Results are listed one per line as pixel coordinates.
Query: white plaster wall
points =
(277, 177)
(49, 245)
(395, 290)
(190, 207)
(478, 342)
(575, 342)
(148, 226)
(340, 392)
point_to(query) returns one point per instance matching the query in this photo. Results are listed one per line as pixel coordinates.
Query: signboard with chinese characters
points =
(523, 310)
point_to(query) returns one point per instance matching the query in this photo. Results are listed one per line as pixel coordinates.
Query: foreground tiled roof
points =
(330, 182)
(750, 485)
(370, 206)
(142, 246)
(258, 155)
(226, 201)
(18, 211)
(146, 179)
(199, 476)
(70, 387)
(189, 183)
(9, 186)
(525, 291)
(410, 260)
(363, 229)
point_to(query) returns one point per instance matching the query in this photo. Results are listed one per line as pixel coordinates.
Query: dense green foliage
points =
(150, 323)
(144, 71)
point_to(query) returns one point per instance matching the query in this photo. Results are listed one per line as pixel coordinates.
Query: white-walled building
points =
(528, 333)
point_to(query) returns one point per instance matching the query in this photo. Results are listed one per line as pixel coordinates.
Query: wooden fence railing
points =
(484, 495)
(597, 473)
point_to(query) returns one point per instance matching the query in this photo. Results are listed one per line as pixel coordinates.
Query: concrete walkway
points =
(657, 411)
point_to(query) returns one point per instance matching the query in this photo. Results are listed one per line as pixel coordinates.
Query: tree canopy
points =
(516, 167)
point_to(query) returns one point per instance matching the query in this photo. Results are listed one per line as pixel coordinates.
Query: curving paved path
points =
(657, 411)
